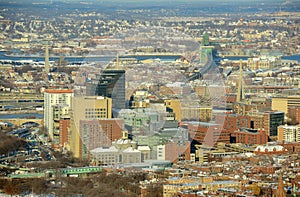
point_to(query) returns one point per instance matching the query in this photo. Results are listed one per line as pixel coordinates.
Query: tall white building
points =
(57, 103)
(289, 133)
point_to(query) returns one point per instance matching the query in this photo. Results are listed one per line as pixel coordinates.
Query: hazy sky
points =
(140, 1)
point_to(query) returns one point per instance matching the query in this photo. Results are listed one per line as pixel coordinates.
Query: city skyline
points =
(150, 98)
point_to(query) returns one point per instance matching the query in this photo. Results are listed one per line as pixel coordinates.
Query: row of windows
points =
(95, 117)
(95, 109)
(95, 113)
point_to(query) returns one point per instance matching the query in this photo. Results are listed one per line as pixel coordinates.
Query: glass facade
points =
(112, 85)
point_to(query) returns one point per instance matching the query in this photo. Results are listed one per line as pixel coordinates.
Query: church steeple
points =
(280, 190)
(47, 64)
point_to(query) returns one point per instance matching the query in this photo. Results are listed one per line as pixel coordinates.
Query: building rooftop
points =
(269, 147)
(143, 148)
(53, 91)
(131, 150)
(105, 150)
(201, 123)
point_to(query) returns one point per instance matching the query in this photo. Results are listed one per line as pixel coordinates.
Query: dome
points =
(269, 148)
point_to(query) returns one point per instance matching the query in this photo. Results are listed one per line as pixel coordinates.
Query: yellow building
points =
(263, 63)
(284, 102)
(177, 184)
(86, 108)
(203, 114)
(175, 107)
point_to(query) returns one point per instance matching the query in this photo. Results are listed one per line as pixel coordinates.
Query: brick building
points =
(64, 125)
(98, 133)
(251, 136)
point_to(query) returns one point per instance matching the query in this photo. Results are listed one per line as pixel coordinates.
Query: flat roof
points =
(54, 91)
(200, 123)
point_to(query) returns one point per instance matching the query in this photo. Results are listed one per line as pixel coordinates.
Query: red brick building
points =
(294, 114)
(175, 152)
(207, 133)
(232, 122)
(251, 136)
(64, 125)
(99, 133)
(292, 147)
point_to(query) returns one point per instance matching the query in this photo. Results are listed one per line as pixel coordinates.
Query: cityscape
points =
(150, 98)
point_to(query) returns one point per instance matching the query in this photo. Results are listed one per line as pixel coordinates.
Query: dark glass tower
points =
(112, 84)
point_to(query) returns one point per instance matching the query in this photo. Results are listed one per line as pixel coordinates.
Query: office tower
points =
(269, 120)
(284, 102)
(57, 104)
(47, 64)
(86, 108)
(273, 119)
(112, 85)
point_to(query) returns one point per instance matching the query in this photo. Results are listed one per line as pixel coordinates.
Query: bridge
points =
(138, 54)
(21, 96)
(209, 65)
(21, 101)
(20, 122)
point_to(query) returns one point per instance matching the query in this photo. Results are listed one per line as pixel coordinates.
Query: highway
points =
(209, 65)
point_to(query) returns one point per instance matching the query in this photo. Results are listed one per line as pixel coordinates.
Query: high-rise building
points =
(268, 120)
(283, 103)
(288, 133)
(98, 133)
(112, 85)
(64, 126)
(273, 119)
(86, 108)
(57, 104)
